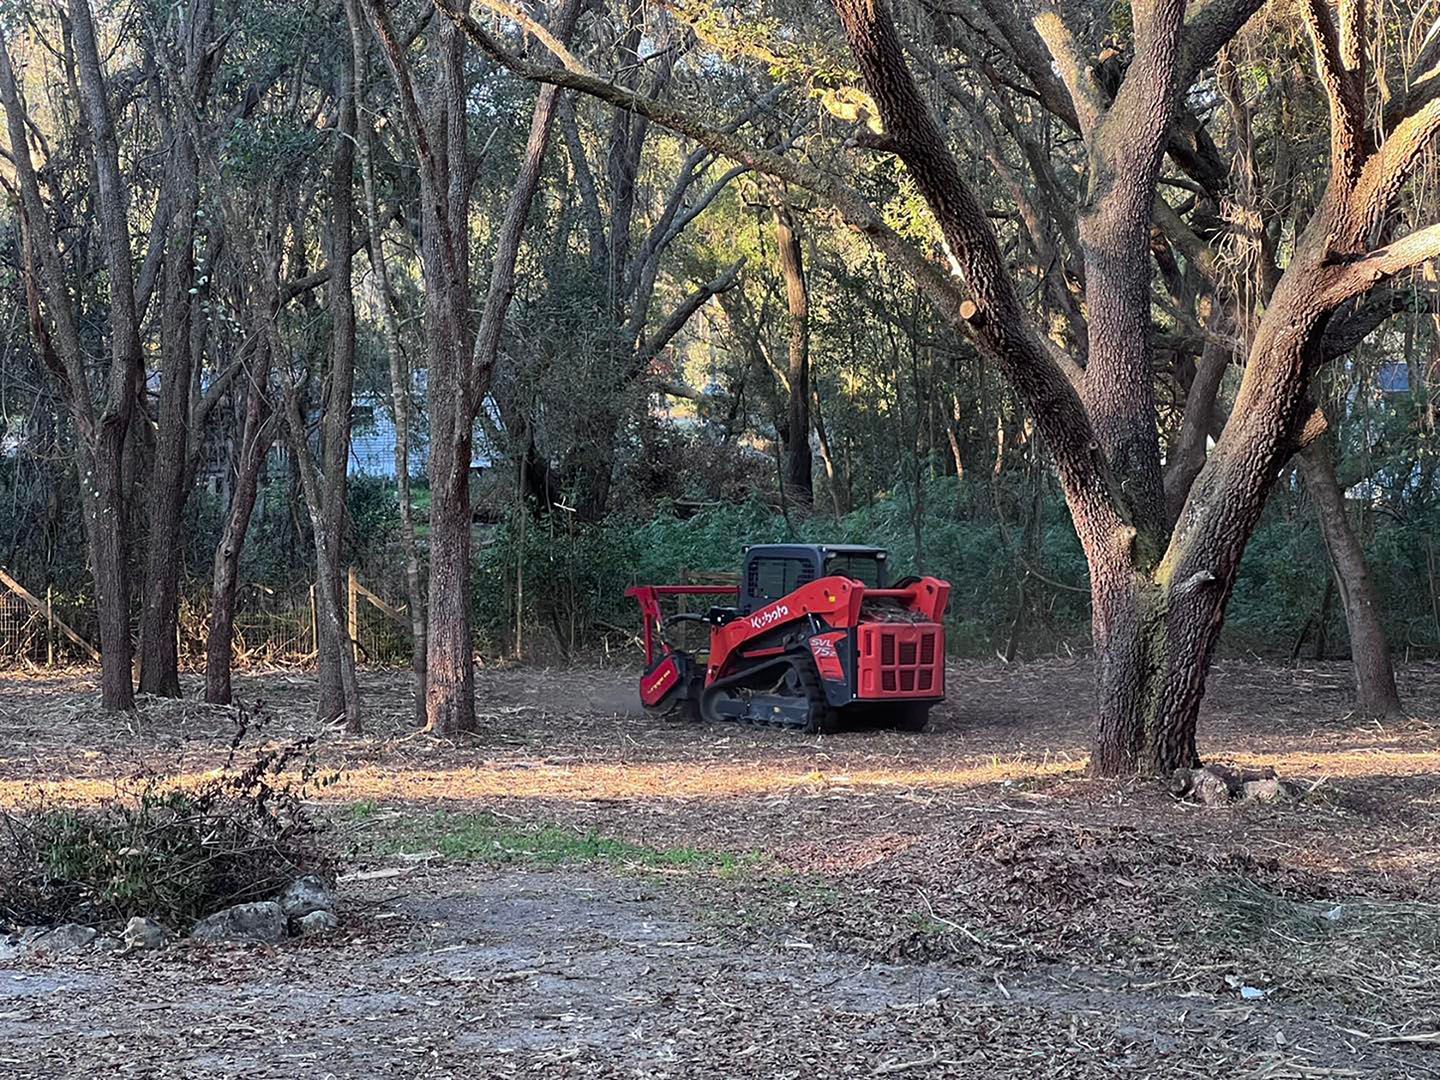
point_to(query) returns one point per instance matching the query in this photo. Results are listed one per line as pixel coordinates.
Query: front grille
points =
(901, 660)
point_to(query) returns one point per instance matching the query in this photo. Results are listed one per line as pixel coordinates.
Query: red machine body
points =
(829, 648)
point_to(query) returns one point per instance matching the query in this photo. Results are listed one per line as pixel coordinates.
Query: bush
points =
(167, 853)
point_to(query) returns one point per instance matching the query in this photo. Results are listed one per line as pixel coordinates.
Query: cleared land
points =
(583, 892)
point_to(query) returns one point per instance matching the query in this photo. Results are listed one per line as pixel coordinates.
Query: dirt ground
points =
(584, 891)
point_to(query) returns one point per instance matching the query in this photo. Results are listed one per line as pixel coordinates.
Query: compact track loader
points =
(813, 639)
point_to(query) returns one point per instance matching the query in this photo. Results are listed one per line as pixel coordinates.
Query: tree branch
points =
(1387, 170)
(1360, 275)
(1346, 95)
(681, 315)
(1210, 26)
(1029, 54)
(1086, 95)
(943, 290)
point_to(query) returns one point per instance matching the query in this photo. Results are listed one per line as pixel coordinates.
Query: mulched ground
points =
(1067, 914)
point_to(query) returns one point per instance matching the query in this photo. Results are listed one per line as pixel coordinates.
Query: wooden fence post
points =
(354, 624)
(50, 626)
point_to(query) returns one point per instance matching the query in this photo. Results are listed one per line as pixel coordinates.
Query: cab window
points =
(866, 569)
(772, 578)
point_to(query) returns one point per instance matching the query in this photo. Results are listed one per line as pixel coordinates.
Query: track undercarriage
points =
(783, 693)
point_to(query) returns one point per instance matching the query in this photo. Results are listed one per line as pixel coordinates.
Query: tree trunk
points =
(799, 480)
(462, 356)
(109, 528)
(254, 447)
(159, 659)
(1375, 691)
(450, 675)
(839, 489)
(339, 689)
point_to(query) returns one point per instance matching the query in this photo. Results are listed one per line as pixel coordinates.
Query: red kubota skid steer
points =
(814, 639)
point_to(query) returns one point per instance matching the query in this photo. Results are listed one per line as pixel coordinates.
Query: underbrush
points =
(167, 853)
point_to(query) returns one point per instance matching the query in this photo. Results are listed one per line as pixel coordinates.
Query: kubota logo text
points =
(769, 616)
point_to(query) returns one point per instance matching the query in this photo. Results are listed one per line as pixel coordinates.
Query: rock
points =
(65, 938)
(1218, 785)
(142, 933)
(307, 894)
(317, 923)
(1262, 790)
(263, 921)
(1208, 789)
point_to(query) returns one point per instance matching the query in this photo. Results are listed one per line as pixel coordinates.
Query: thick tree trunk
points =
(450, 675)
(1375, 691)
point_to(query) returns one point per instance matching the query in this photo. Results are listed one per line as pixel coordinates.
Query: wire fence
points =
(272, 627)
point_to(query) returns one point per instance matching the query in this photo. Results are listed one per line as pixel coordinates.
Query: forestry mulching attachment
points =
(814, 638)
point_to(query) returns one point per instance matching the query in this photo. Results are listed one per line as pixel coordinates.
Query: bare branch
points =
(1086, 95)
(682, 313)
(1210, 26)
(1029, 53)
(1352, 39)
(1345, 93)
(584, 179)
(1362, 274)
(1387, 170)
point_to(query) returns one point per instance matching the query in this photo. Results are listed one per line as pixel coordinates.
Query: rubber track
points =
(822, 715)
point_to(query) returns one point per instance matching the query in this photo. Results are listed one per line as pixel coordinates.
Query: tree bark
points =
(1375, 691)
(255, 441)
(799, 482)
(324, 483)
(169, 476)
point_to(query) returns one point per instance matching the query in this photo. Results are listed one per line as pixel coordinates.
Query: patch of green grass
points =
(363, 810)
(484, 838)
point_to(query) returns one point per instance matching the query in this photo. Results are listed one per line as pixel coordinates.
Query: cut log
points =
(1218, 785)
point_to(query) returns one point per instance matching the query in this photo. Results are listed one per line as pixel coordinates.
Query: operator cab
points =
(775, 570)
